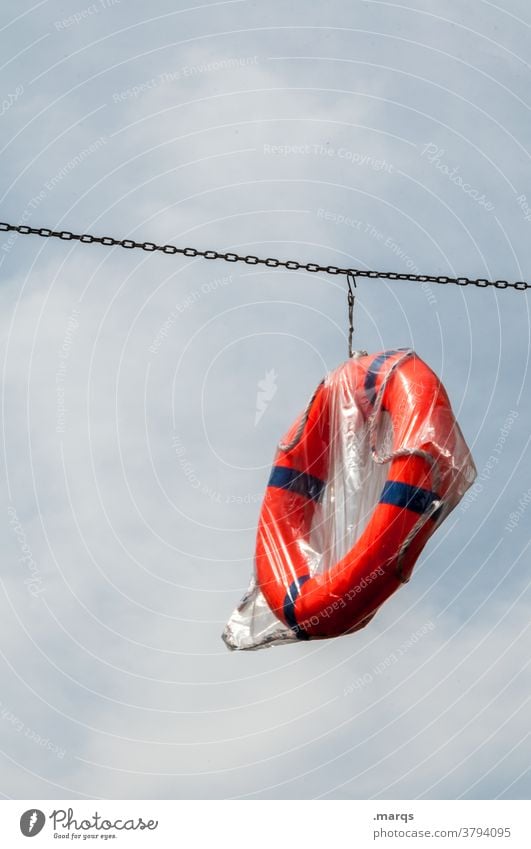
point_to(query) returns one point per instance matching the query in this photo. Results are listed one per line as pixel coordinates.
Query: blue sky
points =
(369, 134)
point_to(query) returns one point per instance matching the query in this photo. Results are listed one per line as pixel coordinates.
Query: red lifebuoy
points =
(424, 483)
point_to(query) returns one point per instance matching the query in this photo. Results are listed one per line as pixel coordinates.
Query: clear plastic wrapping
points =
(359, 483)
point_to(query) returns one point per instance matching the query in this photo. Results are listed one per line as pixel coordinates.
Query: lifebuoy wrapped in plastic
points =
(359, 483)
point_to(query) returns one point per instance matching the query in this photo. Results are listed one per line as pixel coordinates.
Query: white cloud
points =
(119, 662)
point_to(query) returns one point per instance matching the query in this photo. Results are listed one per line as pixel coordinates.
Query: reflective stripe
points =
(406, 496)
(374, 370)
(289, 605)
(301, 483)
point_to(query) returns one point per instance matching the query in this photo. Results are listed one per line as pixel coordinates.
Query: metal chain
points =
(250, 259)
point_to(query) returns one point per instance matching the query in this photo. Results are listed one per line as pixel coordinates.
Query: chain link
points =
(250, 259)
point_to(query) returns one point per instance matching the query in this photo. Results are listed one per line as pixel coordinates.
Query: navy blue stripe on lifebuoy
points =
(289, 604)
(407, 496)
(301, 483)
(374, 370)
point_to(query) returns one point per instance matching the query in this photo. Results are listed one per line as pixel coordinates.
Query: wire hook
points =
(351, 281)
